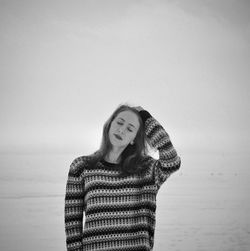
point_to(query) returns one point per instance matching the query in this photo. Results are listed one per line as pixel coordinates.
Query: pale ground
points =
(203, 206)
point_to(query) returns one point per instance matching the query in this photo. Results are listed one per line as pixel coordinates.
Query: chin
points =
(116, 143)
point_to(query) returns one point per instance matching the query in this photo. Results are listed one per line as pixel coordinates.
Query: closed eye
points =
(119, 123)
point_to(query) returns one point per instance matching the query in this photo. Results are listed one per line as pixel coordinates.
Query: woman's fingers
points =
(138, 108)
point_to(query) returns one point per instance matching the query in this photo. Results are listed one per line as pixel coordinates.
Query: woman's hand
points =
(138, 108)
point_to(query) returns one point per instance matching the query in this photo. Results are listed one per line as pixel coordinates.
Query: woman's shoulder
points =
(80, 162)
(147, 159)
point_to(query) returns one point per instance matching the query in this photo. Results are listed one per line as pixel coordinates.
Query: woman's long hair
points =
(133, 155)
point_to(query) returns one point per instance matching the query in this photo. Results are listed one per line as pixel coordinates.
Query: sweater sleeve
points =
(168, 161)
(74, 206)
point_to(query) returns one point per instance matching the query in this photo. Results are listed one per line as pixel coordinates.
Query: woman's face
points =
(123, 128)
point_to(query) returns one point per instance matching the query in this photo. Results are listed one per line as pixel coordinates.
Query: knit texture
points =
(119, 210)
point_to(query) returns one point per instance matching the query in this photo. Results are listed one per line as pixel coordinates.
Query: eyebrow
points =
(129, 123)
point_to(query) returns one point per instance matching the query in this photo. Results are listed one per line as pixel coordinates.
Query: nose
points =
(121, 130)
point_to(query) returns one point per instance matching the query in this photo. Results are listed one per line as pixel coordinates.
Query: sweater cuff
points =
(144, 115)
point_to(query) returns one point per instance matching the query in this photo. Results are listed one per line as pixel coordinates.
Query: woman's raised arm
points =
(168, 161)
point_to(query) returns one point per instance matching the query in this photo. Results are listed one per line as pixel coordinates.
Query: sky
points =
(67, 65)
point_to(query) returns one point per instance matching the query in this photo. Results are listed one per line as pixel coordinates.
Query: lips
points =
(118, 136)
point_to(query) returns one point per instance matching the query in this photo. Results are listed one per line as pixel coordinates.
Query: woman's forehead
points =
(129, 117)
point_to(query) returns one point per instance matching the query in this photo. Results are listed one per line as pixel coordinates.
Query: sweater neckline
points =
(110, 164)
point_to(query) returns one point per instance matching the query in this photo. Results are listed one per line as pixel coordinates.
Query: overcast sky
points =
(66, 65)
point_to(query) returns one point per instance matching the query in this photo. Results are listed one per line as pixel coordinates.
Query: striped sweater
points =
(119, 210)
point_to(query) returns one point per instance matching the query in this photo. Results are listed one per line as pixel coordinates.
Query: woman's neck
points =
(113, 156)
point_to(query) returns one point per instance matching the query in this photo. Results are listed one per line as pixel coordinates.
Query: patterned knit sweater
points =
(119, 210)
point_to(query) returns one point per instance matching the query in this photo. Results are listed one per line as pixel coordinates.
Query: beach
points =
(203, 206)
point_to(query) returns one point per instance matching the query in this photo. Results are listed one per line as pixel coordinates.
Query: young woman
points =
(116, 186)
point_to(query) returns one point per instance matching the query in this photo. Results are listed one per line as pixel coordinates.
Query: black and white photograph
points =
(124, 125)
